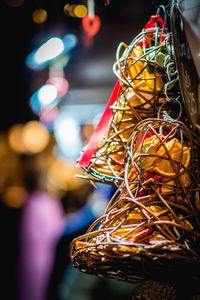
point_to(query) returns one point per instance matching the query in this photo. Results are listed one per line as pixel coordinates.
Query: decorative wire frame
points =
(147, 74)
(151, 227)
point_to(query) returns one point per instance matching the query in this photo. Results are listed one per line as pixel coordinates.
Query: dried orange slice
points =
(134, 64)
(167, 159)
(173, 162)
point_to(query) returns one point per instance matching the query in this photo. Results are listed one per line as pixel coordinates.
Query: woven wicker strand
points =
(151, 226)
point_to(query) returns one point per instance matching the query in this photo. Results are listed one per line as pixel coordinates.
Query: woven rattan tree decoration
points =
(152, 224)
(151, 227)
(146, 79)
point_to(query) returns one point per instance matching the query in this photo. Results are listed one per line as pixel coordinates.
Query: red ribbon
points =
(100, 129)
(153, 23)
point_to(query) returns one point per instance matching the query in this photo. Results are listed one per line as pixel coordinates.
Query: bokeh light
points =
(39, 15)
(69, 9)
(53, 48)
(61, 177)
(15, 138)
(75, 10)
(47, 117)
(15, 196)
(67, 135)
(61, 84)
(49, 50)
(35, 137)
(47, 94)
(80, 11)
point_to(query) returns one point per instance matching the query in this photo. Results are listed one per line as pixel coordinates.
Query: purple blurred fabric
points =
(42, 223)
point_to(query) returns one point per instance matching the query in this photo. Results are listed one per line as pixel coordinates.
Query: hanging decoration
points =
(150, 151)
(146, 77)
(91, 24)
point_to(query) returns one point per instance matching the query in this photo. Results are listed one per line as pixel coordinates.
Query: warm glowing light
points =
(69, 9)
(35, 137)
(61, 176)
(15, 196)
(39, 15)
(15, 139)
(14, 3)
(49, 50)
(80, 11)
(47, 94)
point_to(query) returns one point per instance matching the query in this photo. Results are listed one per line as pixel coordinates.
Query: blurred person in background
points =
(82, 206)
(40, 227)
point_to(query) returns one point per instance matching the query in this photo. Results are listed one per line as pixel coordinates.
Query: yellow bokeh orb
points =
(80, 11)
(39, 15)
(15, 196)
(15, 138)
(35, 137)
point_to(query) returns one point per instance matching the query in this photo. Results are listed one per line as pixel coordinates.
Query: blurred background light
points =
(61, 176)
(39, 15)
(67, 135)
(80, 11)
(47, 94)
(47, 117)
(52, 49)
(35, 137)
(70, 41)
(15, 138)
(49, 50)
(15, 196)
(69, 9)
(75, 10)
(61, 84)
(14, 3)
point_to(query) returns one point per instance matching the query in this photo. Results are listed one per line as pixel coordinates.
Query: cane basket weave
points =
(151, 226)
(147, 74)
